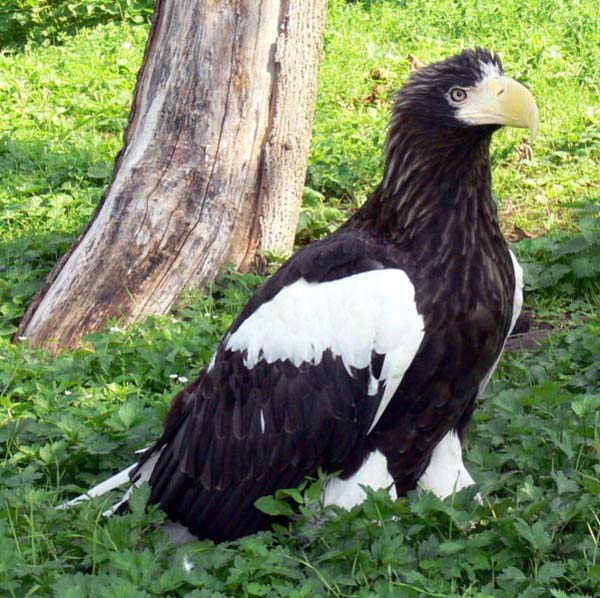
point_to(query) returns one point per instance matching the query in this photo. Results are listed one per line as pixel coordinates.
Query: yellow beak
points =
(501, 101)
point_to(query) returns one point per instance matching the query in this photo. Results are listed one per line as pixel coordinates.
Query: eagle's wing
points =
(297, 384)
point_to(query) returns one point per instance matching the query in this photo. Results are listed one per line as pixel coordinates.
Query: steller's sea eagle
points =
(365, 353)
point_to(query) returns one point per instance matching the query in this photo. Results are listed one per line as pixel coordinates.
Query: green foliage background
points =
(67, 71)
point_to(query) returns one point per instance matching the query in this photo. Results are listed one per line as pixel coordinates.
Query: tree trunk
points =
(212, 167)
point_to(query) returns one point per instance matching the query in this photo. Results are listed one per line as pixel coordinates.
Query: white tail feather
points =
(115, 482)
(102, 488)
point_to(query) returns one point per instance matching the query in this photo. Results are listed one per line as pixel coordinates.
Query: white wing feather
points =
(353, 317)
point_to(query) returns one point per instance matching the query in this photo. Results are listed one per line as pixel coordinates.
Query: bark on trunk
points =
(212, 167)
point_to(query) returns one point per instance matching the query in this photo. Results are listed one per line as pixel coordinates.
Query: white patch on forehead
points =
(489, 70)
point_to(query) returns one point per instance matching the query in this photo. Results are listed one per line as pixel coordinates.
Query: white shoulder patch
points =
(352, 317)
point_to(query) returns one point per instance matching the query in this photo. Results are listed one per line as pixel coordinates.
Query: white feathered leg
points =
(447, 473)
(349, 493)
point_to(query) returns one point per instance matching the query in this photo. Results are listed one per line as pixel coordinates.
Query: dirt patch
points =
(528, 333)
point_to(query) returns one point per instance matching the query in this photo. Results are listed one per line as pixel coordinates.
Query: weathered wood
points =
(211, 170)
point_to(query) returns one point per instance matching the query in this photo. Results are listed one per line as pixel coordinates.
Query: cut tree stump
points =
(212, 168)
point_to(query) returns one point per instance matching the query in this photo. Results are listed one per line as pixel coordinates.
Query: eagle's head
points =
(466, 93)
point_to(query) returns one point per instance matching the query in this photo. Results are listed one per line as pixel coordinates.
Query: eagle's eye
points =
(458, 94)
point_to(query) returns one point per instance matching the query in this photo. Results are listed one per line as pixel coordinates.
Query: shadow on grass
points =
(46, 199)
(29, 167)
(24, 265)
(42, 22)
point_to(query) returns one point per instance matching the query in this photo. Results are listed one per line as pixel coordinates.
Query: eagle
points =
(364, 355)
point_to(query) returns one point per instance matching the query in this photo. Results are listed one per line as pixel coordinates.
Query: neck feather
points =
(435, 215)
(437, 187)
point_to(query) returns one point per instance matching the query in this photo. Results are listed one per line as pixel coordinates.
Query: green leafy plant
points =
(565, 260)
(318, 217)
(48, 21)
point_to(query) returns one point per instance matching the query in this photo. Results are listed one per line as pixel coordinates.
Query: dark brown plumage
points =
(263, 417)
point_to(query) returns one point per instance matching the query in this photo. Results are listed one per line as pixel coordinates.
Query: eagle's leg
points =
(446, 472)
(349, 492)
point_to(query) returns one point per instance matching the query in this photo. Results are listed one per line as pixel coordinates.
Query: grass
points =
(66, 78)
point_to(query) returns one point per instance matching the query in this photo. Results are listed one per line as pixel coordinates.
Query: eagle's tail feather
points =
(114, 482)
(104, 487)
